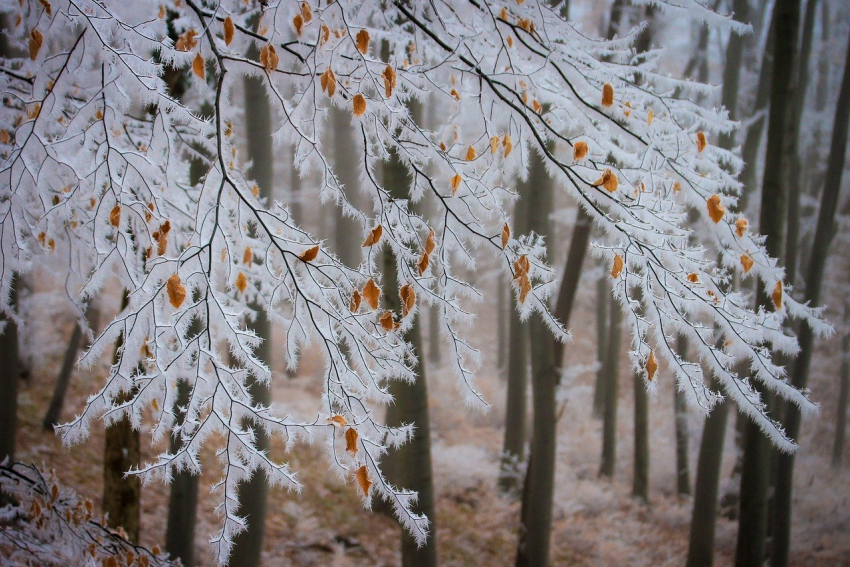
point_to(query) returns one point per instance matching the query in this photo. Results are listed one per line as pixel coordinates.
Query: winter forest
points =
(395, 282)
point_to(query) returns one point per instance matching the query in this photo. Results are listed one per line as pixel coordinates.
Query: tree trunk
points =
(752, 527)
(252, 494)
(536, 516)
(611, 369)
(501, 323)
(820, 250)
(182, 500)
(844, 394)
(603, 300)
(683, 474)
(701, 545)
(434, 334)
(9, 376)
(346, 230)
(572, 276)
(640, 481)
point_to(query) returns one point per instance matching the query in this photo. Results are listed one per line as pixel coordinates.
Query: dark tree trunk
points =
(603, 300)
(611, 368)
(9, 375)
(752, 527)
(252, 494)
(701, 545)
(572, 276)
(501, 323)
(347, 231)
(434, 334)
(640, 480)
(182, 500)
(536, 516)
(843, 395)
(683, 470)
(820, 250)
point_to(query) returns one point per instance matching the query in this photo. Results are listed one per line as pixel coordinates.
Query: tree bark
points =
(611, 369)
(603, 300)
(701, 544)
(820, 250)
(347, 231)
(640, 480)
(571, 276)
(9, 376)
(683, 474)
(752, 527)
(182, 500)
(843, 395)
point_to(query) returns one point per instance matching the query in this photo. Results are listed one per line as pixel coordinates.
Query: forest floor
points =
(595, 522)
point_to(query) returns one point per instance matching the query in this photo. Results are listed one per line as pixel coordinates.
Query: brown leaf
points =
(351, 441)
(521, 266)
(229, 30)
(423, 263)
(310, 254)
(269, 58)
(386, 320)
(359, 104)
(494, 144)
(693, 278)
(607, 94)
(374, 236)
(538, 108)
(579, 150)
(355, 302)
(389, 80)
(248, 256)
(608, 180)
(241, 282)
(36, 39)
(470, 153)
(363, 480)
(747, 262)
(326, 35)
(716, 210)
(455, 182)
(617, 268)
(430, 242)
(651, 366)
(701, 143)
(408, 299)
(741, 227)
(777, 295)
(198, 66)
(455, 94)
(371, 293)
(176, 291)
(506, 235)
(328, 81)
(362, 41)
(508, 144)
(677, 187)
(47, 7)
(298, 23)
(306, 12)
(524, 287)
(649, 117)
(115, 216)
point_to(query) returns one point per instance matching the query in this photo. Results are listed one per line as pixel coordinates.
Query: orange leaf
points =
(337, 421)
(374, 236)
(326, 34)
(716, 210)
(310, 254)
(677, 187)
(269, 58)
(524, 287)
(371, 293)
(455, 94)
(176, 291)
(747, 262)
(651, 366)
(608, 180)
(693, 278)
(363, 480)
(115, 216)
(777, 295)
(241, 282)
(389, 80)
(359, 104)
(386, 320)
(328, 81)
(430, 242)
(506, 142)
(494, 144)
(36, 39)
(579, 150)
(649, 117)
(363, 41)
(470, 153)
(229, 30)
(423, 263)
(617, 268)
(741, 227)
(298, 23)
(248, 256)
(355, 302)
(306, 12)
(506, 235)
(408, 299)
(455, 182)
(701, 143)
(607, 94)
(351, 441)
(198, 66)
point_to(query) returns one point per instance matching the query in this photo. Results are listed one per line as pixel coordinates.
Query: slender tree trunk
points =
(501, 322)
(640, 480)
(9, 376)
(701, 545)
(603, 300)
(611, 369)
(843, 395)
(536, 516)
(347, 231)
(252, 494)
(820, 250)
(121, 452)
(683, 474)
(434, 334)
(572, 276)
(752, 528)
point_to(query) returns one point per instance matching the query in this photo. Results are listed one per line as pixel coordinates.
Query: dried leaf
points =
(508, 144)
(351, 441)
(693, 278)
(269, 57)
(651, 366)
(777, 295)
(494, 144)
(538, 108)
(389, 80)
(325, 35)
(371, 293)
(176, 291)
(386, 321)
(747, 262)
(524, 287)
(617, 268)
(36, 39)
(337, 421)
(608, 180)
(506, 235)
(115, 216)
(306, 12)
(430, 242)
(423, 263)
(607, 94)
(677, 187)
(701, 143)
(408, 299)
(374, 236)
(47, 7)
(503, 14)
(359, 105)
(716, 210)
(363, 41)
(741, 227)
(354, 305)
(248, 256)
(628, 109)
(455, 182)
(198, 66)
(298, 23)
(241, 282)
(363, 480)
(229, 30)
(579, 150)
(310, 254)
(649, 117)
(470, 153)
